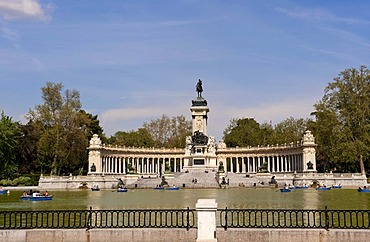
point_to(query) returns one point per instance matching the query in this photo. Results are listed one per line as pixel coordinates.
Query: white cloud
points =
(24, 9)
(276, 111)
(9, 34)
(125, 119)
(319, 14)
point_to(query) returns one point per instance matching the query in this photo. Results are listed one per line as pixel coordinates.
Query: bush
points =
(19, 181)
(5, 182)
(22, 181)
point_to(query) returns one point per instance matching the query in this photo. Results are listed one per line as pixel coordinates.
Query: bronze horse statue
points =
(199, 88)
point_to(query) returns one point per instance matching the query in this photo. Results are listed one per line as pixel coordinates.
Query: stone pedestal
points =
(206, 209)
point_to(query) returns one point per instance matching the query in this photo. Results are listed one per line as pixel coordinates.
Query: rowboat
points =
(363, 190)
(25, 198)
(285, 190)
(95, 188)
(172, 188)
(41, 198)
(3, 191)
(301, 187)
(158, 188)
(336, 186)
(323, 188)
(122, 189)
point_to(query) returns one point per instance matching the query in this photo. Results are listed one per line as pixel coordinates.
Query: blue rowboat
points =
(158, 188)
(285, 190)
(172, 188)
(40, 198)
(122, 189)
(2, 191)
(363, 190)
(336, 186)
(25, 198)
(301, 187)
(323, 188)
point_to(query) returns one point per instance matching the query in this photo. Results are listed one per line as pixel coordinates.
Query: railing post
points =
(326, 218)
(206, 211)
(89, 218)
(225, 219)
(187, 219)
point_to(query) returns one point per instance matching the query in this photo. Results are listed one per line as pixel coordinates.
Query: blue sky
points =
(133, 61)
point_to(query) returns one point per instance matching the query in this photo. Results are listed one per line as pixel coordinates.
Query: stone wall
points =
(170, 235)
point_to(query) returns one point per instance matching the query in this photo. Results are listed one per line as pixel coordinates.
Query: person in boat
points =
(36, 194)
(46, 194)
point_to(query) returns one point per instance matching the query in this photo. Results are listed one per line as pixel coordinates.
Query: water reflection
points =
(231, 198)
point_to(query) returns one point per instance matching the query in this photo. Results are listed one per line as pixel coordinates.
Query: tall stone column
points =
(95, 159)
(309, 153)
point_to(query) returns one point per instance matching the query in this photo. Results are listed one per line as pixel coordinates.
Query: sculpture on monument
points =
(199, 88)
(199, 138)
(93, 168)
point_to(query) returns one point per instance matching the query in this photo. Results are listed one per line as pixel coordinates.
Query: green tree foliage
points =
(248, 132)
(343, 121)
(9, 136)
(62, 127)
(169, 132)
(139, 138)
(27, 149)
(290, 130)
(243, 132)
(92, 126)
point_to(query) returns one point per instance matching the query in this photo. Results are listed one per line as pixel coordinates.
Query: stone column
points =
(174, 164)
(206, 209)
(244, 170)
(124, 165)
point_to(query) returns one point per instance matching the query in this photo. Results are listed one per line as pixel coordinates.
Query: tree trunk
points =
(362, 166)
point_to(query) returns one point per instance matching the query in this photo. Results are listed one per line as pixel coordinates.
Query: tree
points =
(290, 130)
(343, 119)
(243, 132)
(92, 126)
(248, 132)
(62, 126)
(9, 135)
(139, 138)
(27, 148)
(169, 132)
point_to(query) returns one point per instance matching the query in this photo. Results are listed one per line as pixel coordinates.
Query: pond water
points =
(263, 198)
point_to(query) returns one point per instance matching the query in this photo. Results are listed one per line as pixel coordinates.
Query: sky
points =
(133, 61)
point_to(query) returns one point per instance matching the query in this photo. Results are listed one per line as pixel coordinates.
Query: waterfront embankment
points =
(170, 235)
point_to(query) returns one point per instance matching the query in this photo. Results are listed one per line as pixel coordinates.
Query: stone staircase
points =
(196, 179)
(202, 179)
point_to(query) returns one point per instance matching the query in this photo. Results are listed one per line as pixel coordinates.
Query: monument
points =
(200, 152)
(215, 165)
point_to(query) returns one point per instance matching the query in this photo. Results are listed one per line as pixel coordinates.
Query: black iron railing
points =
(74, 219)
(44, 219)
(185, 218)
(143, 218)
(307, 219)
